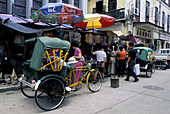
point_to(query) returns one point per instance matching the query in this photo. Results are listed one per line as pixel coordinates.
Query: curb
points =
(10, 88)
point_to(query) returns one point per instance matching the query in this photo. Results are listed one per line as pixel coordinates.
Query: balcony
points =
(117, 14)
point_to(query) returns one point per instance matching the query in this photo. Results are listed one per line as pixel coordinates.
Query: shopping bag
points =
(136, 69)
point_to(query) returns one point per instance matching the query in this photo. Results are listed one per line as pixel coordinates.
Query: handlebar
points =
(87, 61)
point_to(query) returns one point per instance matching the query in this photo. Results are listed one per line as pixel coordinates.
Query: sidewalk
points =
(9, 87)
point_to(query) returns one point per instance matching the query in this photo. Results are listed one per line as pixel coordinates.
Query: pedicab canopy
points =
(144, 52)
(42, 44)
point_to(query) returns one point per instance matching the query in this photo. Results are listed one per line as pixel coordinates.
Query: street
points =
(147, 96)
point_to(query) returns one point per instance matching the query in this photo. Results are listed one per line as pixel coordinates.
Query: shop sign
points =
(143, 33)
(163, 37)
(3, 7)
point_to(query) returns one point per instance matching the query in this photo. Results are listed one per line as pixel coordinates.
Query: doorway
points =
(99, 6)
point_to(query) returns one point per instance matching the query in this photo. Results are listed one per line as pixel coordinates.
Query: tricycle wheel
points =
(149, 72)
(52, 94)
(93, 82)
(153, 68)
(26, 90)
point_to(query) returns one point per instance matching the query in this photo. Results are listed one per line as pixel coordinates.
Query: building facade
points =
(148, 20)
(24, 8)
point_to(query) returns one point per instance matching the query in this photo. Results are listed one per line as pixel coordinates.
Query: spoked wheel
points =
(52, 94)
(149, 72)
(26, 90)
(153, 68)
(93, 82)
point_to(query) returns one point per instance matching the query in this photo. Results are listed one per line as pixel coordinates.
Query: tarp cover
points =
(41, 45)
(24, 29)
(144, 53)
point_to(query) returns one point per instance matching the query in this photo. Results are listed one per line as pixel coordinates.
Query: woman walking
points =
(77, 56)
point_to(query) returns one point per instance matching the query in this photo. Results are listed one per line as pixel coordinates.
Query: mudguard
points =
(49, 76)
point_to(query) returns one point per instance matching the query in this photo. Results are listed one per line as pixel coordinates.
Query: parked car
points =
(163, 58)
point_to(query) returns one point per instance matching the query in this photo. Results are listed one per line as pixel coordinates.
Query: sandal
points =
(94, 82)
(74, 89)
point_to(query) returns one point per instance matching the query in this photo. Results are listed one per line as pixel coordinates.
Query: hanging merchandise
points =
(61, 34)
(46, 34)
(71, 36)
(97, 39)
(90, 38)
(109, 40)
(76, 36)
(65, 36)
(87, 38)
(105, 38)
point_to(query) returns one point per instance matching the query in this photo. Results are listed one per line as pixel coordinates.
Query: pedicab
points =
(145, 59)
(43, 66)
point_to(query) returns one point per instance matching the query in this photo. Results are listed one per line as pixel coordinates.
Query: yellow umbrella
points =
(96, 21)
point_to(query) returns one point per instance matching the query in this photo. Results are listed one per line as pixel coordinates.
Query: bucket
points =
(114, 82)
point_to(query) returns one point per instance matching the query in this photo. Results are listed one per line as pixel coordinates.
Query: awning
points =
(118, 33)
(130, 37)
(23, 29)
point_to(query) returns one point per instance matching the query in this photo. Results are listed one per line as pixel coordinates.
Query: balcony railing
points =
(117, 14)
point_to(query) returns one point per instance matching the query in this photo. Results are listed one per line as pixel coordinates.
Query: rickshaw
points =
(43, 64)
(145, 59)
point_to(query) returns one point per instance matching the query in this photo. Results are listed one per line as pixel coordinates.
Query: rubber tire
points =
(153, 68)
(37, 97)
(149, 71)
(90, 80)
(23, 88)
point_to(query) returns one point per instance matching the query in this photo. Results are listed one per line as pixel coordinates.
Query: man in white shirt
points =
(101, 59)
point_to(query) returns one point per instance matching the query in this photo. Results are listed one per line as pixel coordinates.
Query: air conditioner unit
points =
(137, 11)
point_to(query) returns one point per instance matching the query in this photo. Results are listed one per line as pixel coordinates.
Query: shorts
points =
(99, 67)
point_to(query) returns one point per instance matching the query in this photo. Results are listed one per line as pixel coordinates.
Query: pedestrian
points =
(101, 59)
(78, 57)
(131, 63)
(121, 61)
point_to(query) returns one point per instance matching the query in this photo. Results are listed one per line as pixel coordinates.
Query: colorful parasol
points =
(96, 21)
(58, 13)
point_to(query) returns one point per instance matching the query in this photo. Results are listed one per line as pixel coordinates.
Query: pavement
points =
(9, 87)
(147, 96)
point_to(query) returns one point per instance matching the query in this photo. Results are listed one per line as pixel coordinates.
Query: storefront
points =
(164, 40)
(144, 32)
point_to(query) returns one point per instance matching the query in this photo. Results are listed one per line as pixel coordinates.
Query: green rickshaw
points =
(45, 77)
(145, 59)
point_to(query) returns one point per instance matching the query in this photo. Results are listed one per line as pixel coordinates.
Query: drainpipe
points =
(159, 44)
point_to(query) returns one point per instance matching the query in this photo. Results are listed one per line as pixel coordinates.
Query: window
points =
(65, 1)
(163, 19)
(137, 6)
(156, 14)
(168, 23)
(147, 8)
(52, 1)
(112, 5)
(19, 8)
(3, 6)
(36, 5)
(76, 3)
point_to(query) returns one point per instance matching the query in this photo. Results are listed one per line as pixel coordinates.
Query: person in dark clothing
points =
(131, 63)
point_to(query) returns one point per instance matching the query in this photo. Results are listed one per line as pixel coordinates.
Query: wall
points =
(91, 5)
(120, 4)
